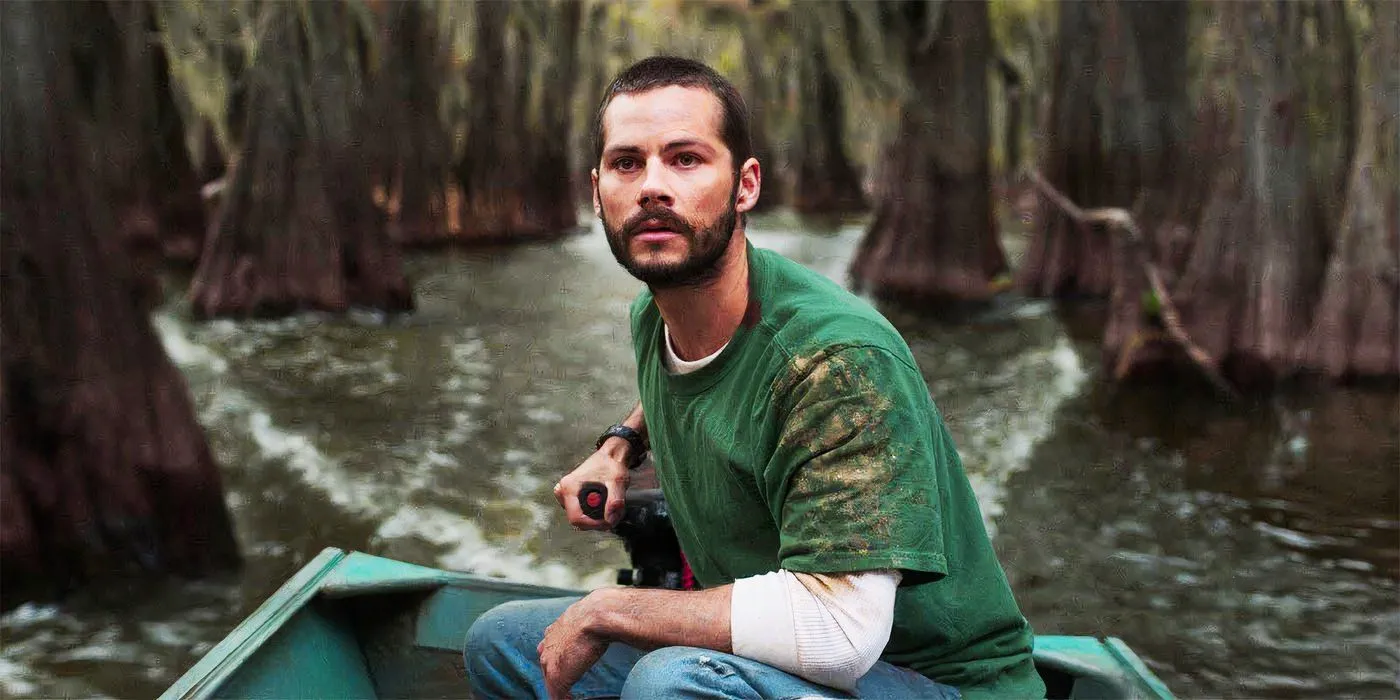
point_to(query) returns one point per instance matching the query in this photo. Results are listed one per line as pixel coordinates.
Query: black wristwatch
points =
(633, 438)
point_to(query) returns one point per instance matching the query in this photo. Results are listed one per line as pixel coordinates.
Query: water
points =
(1250, 550)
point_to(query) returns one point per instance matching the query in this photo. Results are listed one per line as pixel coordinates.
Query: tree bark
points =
(824, 181)
(297, 228)
(124, 81)
(1014, 89)
(1254, 268)
(105, 468)
(761, 99)
(1355, 331)
(507, 197)
(415, 168)
(557, 51)
(603, 44)
(934, 235)
(1116, 131)
(1323, 53)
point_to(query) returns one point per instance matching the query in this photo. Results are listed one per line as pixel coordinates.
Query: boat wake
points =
(389, 501)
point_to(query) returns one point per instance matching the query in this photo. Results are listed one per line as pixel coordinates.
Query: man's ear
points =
(597, 203)
(750, 183)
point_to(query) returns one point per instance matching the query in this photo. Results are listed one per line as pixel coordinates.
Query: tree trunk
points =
(1324, 56)
(761, 99)
(553, 170)
(934, 235)
(1117, 125)
(505, 196)
(125, 84)
(1013, 86)
(602, 43)
(824, 181)
(106, 471)
(1246, 291)
(1355, 331)
(298, 228)
(415, 168)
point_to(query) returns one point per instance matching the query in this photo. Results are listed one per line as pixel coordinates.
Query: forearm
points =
(650, 618)
(619, 448)
(636, 420)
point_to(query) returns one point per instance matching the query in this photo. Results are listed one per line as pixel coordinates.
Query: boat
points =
(354, 625)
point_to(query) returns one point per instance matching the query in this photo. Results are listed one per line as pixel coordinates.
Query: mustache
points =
(663, 216)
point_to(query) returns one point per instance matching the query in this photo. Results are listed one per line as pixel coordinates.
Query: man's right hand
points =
(606, 467)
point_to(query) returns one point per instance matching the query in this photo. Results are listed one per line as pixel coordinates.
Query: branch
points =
(1120, 219)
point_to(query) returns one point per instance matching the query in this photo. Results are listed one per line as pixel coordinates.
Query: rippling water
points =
(1248, 550)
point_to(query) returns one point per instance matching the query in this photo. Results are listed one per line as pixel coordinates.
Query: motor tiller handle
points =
(593, 499)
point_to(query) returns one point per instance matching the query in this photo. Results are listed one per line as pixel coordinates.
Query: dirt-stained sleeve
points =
(852, 482)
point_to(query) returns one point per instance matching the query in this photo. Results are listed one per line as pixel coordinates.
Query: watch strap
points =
(633, 438)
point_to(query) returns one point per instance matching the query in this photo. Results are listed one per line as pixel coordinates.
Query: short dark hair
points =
(664, 71)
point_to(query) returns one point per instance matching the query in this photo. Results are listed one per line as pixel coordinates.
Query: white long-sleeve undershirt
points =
(826, 628)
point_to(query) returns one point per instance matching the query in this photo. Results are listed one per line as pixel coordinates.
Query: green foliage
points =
(1020, 37)
(1019, 29)
(1150, 304)
(205, 43)
(212, 45)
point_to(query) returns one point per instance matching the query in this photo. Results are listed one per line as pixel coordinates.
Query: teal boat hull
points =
(352, 625)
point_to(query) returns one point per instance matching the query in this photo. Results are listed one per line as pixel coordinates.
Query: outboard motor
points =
(646, 532)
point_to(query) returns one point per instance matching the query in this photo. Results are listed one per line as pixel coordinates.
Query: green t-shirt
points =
(811, 444)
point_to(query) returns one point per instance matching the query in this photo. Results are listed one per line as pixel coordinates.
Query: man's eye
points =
(625, 163)
(687, 160)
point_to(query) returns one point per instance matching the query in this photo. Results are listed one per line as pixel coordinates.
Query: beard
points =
(701, 263)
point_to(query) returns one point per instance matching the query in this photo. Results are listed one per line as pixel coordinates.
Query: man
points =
(813, 486)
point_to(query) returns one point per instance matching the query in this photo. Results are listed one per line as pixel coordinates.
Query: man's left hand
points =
(570, 648)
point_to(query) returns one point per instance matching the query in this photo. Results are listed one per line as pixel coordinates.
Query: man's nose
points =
(655, 190)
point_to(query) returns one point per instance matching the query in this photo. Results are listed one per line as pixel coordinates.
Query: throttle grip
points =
(593, 499)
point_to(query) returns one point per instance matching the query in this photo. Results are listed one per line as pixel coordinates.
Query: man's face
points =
(666, 188)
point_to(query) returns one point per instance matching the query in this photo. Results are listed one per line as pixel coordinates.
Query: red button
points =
(595, 499)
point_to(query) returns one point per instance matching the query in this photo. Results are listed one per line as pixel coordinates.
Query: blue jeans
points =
(502, 662)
